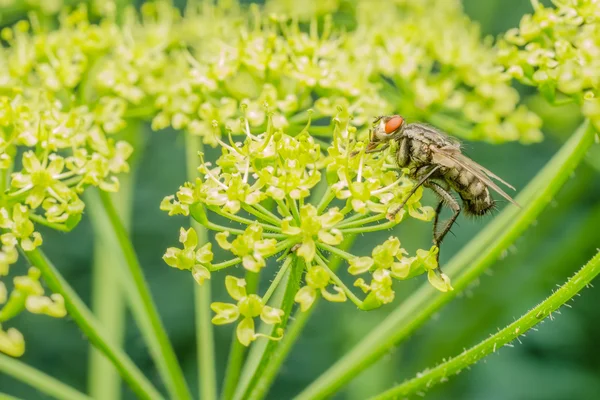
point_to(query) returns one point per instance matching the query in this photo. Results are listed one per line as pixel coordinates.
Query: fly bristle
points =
(478, 208)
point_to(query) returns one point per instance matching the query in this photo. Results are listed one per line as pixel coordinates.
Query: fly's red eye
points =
(393, 124)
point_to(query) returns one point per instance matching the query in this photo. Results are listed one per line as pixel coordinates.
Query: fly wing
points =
(451, 156)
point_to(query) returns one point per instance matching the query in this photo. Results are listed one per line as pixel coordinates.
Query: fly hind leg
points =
(445, 199)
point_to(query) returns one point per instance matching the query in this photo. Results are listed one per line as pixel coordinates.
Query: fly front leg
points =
(377, 150)
(392, 215)
(449, 200)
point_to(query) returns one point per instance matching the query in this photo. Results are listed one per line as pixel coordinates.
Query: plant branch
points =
(84, 318)
(427, 379)
(472, 260)
(143, 307)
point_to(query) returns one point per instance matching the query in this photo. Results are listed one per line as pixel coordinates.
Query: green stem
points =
(272, 219)
(39, 380)
(472, 259)
(260, 353)
(243, 220)
(237, 350)
(38, 219)
(427, 379)
(205, 353)
(283, 348)
(107, 293)
(84, 318)
(143, 307)
(225, 264)
(284, 208)
(280, 274)
(327, 198)
(4, 396)
(294, 208)
(372, 228)
(337, 251)
(359, 222)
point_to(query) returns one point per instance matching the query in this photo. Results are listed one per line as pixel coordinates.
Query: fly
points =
(434, 160)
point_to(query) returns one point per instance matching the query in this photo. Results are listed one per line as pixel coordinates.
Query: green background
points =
(559, 361)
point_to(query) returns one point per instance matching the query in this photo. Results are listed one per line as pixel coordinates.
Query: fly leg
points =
(422, 182)
(382, 148)
(449, 200)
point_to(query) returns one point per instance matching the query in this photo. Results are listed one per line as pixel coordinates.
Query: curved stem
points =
(38, 379)
(205, 353)
(79, 312)
(427, 379)
(38, 219)
(143, 307)
(472, 260)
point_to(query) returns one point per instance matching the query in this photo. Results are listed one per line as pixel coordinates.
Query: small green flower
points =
(250, 246)
(317, 280)
(191, 258)
(314, 227)
(247, 308)
(40, 179)
(12, 342)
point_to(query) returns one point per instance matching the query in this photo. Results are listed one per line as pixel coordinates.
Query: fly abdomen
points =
(477, 205)
(474, 193)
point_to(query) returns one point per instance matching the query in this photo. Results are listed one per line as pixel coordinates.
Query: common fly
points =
(434, 160)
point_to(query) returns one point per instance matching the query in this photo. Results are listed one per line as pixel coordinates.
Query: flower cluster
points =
(270, 184)
(557, 49)
(438, 69)
(27, 294)
(68, 96)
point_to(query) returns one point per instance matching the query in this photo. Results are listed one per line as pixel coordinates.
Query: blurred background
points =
(560, 361)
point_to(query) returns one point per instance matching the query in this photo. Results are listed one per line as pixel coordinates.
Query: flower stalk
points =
(431, 377)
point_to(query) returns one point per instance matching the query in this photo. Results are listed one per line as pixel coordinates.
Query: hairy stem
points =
(260, 353)
(472, 261)
(237, 351)
(205, 353)
(431, 377)
(283, 348)
(143, 307)
(84, 318)
(39, 380)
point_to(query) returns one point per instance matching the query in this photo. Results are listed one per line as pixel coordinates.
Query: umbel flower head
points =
(296, 197)
(557, 49)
